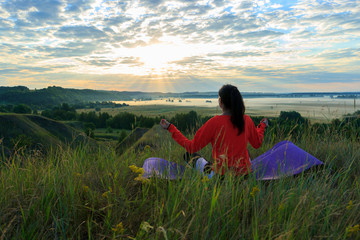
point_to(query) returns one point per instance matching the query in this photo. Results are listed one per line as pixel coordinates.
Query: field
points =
(316, 109)
(78, 193)
(158, 110)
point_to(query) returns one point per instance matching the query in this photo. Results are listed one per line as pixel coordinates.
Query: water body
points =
(321, 108)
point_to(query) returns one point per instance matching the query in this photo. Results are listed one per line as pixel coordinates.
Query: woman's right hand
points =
(265, 120)
(164, 124)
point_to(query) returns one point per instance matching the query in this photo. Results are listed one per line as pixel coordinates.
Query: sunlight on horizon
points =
(158, 58)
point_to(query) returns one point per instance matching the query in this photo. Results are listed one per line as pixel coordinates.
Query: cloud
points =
(106, 62)
(9, 70)
(238, 54)
(196, 10)
(245, 5)
(79, 32)
(233, 22)
(218, 3)
(131, 61)
(195, 60)
(274, 42)
(133, 44)
(151, 3)
(117, 20)
(260, 34)
(78, 6)
(70, 49)
(343, 53)
(34, 13)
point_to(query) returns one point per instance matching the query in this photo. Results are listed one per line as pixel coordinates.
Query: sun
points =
(160, 58)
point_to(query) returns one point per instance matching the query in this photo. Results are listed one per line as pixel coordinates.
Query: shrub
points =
(22, 108)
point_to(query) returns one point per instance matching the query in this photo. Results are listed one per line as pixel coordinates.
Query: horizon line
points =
(215, 91)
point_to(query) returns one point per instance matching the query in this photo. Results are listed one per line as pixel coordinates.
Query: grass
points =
(79, 193)
(20, 131)
(106, 135)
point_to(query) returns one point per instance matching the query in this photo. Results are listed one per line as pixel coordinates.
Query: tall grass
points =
(84, 194)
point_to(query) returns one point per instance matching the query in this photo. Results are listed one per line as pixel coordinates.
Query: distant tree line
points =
(287, 124)
(24, 108)
(52, 96)
(19, 108)
(98, 105)
(352, 96)
(123, 120)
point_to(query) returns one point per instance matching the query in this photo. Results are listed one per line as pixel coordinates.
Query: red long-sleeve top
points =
(229, 148)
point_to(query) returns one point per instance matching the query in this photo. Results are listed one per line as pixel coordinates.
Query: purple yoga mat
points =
(162, 168)
(284, 159)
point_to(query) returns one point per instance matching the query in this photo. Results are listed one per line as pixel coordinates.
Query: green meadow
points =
(86, 192)
(159, 110)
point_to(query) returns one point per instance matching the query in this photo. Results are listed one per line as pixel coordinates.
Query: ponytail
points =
(233, 101)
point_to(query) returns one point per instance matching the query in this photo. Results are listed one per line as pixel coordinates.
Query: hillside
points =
(31, 132)
(56, 95)
(141, 138)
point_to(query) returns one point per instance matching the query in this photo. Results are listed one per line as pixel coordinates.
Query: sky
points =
(181, 45)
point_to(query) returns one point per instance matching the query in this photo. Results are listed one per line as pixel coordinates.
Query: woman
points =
(228, 133)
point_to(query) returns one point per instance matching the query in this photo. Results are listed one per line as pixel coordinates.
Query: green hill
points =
(142, 138)
(56, 95)
(32, 132)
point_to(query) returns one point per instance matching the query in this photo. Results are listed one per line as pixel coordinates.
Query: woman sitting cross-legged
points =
(228, 134)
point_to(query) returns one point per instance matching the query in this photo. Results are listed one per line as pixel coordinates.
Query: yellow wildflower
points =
(254, 191)
(105, 194)
(133, 168)
(140, 178)
(119, 228)
(205, 179)
(140, 171)
(86, 188)
(147, 148)
(78, 174)
(353, 230)
(350, 205)
(136, 169)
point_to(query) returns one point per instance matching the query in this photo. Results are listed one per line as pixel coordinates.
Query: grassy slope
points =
(38, 131)
(76, 194)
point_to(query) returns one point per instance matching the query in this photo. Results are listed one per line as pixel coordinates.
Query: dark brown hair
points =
(233, 101)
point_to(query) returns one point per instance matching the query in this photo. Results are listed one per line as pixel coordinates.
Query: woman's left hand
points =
(265, 120)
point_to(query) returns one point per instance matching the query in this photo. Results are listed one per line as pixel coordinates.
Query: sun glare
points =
(158, 58)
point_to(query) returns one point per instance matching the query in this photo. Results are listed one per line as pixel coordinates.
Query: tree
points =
(22, 108)
(146, 122)
(185, 121)
(89, 129)
(292, 116)
(122, 120)
(122, 135)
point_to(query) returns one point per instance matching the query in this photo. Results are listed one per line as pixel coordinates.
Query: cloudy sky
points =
(181, 45)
